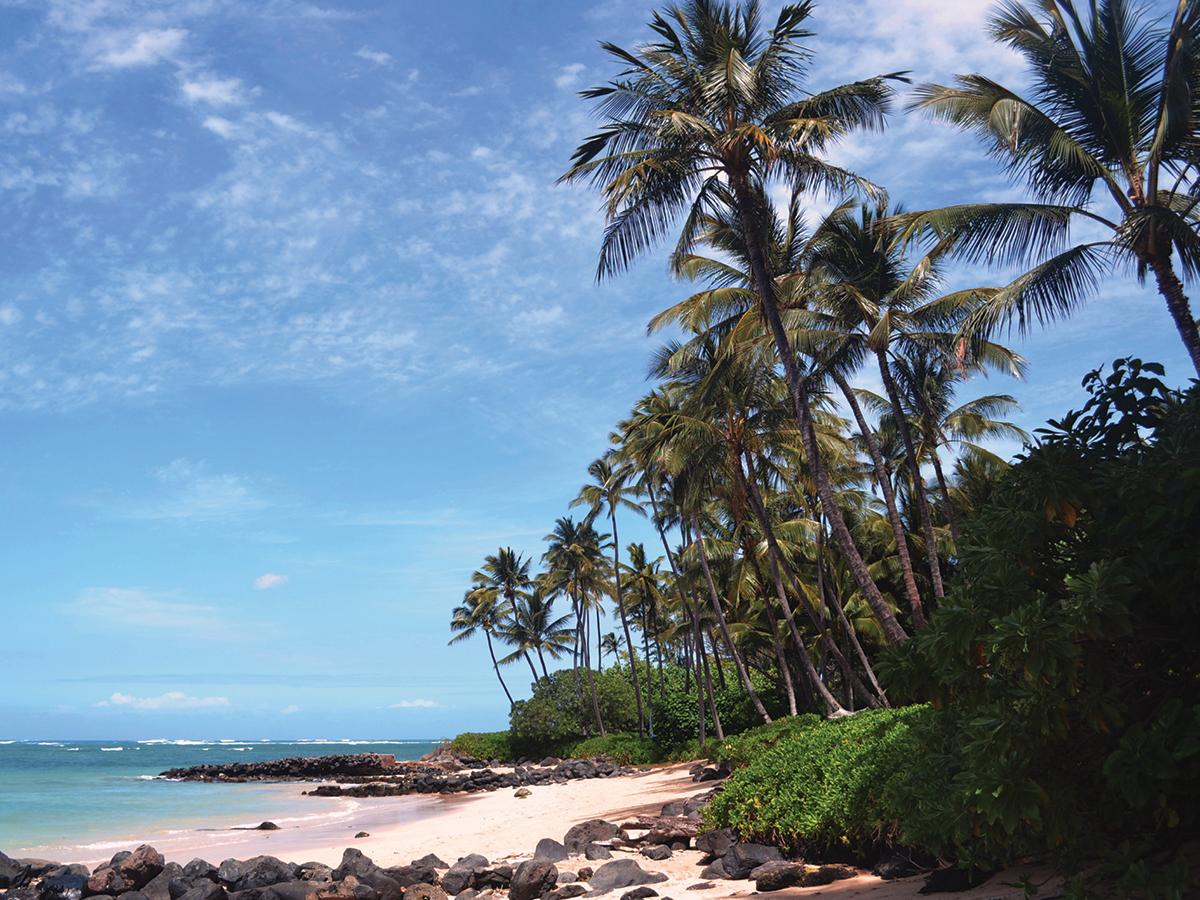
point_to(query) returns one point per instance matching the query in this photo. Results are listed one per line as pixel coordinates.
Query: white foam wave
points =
(111, 749)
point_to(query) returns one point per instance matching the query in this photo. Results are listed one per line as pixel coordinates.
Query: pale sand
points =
(504, 828)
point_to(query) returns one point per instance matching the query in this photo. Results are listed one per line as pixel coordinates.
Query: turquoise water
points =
(56, 794)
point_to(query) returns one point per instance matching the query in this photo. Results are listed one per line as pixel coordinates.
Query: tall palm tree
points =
(480, 611)
(610, 491)
(645, 590)
(1112, 117)
(507, 573)
(701, 119)
(531, 626)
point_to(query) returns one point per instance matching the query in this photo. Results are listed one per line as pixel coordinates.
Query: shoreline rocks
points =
(419, 779)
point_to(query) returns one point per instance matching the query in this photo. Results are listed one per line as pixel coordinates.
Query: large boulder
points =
(139, 867)
(203, 889)
(715, 843)
(777, 875)
(159, 887)
(457, 878)
(621, 873)
(255, 872)
(407, 876)
(493, 877)
(742, 859)
(107, 880)
(532, 879)
(64, 883)
(432, 860)
(579, 836)
(13, 874)
(199, 868)
(550, 849)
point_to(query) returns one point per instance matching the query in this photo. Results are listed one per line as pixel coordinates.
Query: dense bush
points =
(827, 787)
(483, 745)
(676, 718)
(742, 749)
(560, 710)
(1064, 660)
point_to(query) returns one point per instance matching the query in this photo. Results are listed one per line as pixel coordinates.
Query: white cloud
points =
(415, 704)
(378, 57)
(220, 126)
(9, 314)
(538, 318)
(215, 91)
(169, 700)
(142, 609)
(289, 710)
(568, 76)
(123, 51)
(191, 491)
(269, 580)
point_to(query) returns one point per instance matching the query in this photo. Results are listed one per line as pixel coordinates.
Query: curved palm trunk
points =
(1171, 289)
(778, 564)
(943, 487)
(743, 675)
(496, 666)
(532, 670)
(765, 288)
(542, 661)
(889, 498)
(633, 663)
(591, 677)
(910, 455)
(777, 640)
(718, 730)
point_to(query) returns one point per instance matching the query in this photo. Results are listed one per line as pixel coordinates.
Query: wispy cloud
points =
(290, 710)
(269, 580)
(144, 609)
(188, 489)
(142, 48)
(568, 76)
(212, 90)
(169, 700)
(415, 704)
(378, 57)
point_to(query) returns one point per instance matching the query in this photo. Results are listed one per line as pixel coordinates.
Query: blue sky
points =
(295, 327)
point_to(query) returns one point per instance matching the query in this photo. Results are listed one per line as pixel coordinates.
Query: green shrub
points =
(626, 748)
(1063, 660)
(676, 717)
(484, 745)
(824, 787)
(560, 710)
(742, 749)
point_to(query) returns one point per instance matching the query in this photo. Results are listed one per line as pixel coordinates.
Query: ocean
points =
(104, 794)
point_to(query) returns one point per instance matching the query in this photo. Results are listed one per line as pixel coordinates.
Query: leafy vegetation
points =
(484, 745)
(742, 749)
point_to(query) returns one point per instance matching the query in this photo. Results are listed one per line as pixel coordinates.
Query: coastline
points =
(499, 826)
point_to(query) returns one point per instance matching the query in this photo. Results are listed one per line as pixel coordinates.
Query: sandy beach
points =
(505, 828)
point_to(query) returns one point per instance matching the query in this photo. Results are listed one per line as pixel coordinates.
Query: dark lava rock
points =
(742, 859)
(622, 873)
(566, 892)
(532, 879)
(362, 834)
(140, 866)
(199, 868)
(266, 826)
(458, 877)
(314, 871)
(777, 875)
(584, 873)
(64, 884)
(579, 836)
(408, 876)
(107, 880)
(468, 894)
(700, 886)
(715, 869)
(895, 865)
(290, 768)
(550, 849)
(639, 893)
(13, 874)
(159, 887)
(596, 852)
(656, 852)
(486, 877)
(946, 881)
(255, 872)
(432, 860)
(715, 843)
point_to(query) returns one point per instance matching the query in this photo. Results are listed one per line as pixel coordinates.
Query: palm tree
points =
(1111, 116)
(480, 611)
(531, 627)
(702, 119)
(507, 573)
(610, 491)
(644, 586)
(575, 564)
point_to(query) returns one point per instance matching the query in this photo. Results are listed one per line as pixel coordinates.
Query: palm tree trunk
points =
(951, 516)
(1171, 289)
(718, 731)
(739, 664)
(637, 685)
(702, 715)
(542, 661)
(765, 287)
(532, 670)
(785, 673)
(910, 455)
(496, 666)
(591, 676)
(889, 498)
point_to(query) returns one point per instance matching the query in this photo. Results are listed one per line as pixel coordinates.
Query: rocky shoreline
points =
(382, 775)
(594, 858)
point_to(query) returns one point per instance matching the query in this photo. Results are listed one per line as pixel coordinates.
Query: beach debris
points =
(522, 793)
(742, 859)
(533, 878)
(578, 837)
(700, 886)
(663, 829)
(621, 873)
(550, 849)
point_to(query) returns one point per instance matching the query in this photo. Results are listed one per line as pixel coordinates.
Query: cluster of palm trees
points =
(806, 522)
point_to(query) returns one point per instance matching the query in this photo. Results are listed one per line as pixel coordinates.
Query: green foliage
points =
(742, 749)
(824, 786)
(483, 745)
(624, 747)
(560, 710)
(676, 717)
(1064, 660)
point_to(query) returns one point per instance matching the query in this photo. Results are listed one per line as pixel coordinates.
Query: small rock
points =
(424, 892)
(716, 843)
(639, 893)
(596, 851)
(362, 834)
(522, 792)
(895, 865)
(584, 873)
(742, 859)
(715, 869)
(622, 873)
(657, 852)
(267, 826)
(566, 892)
(432, 860)
(700, 886)
(579, 836)
(533, 878)
(550, 849)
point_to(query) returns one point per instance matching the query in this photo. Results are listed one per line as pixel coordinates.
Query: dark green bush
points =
(560, 710)
(483, 745)
(1064, 660)
(742, 749)
(826, 787)
(676, 717)
(626, 748)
